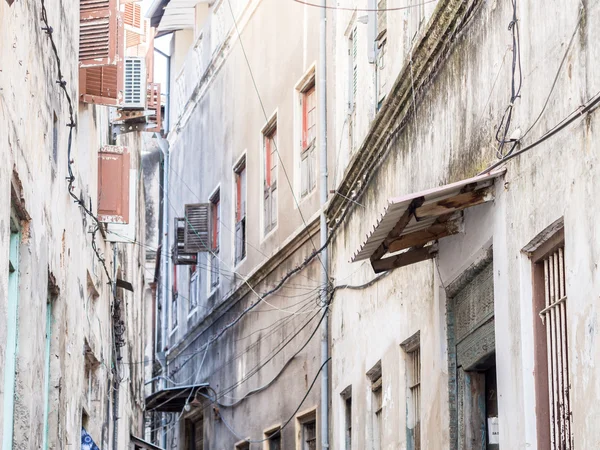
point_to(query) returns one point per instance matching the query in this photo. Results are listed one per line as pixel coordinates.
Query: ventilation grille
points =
(134, 92)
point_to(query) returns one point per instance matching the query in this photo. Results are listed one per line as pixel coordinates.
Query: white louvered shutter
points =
(197, 228)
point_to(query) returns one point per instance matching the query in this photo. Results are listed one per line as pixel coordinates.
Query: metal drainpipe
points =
(116, 362)
(322, 89)
(164, 146)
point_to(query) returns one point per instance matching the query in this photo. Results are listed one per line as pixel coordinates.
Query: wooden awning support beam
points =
(405, 259)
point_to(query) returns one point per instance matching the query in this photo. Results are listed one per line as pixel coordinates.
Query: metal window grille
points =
(415, 394)
(309, 435)
(554, 316)
(377, 413)
(352, 87)
(348, 407)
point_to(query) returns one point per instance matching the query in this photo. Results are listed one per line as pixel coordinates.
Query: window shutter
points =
(197, 237)
(102, 84)
(113, 184)
(354, 65)
(135, 27)
(98, 32)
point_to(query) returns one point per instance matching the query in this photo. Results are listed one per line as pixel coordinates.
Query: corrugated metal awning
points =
(409, 224)
(173, 399)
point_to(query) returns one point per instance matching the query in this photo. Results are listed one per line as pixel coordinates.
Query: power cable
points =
(264, 111)
(286, 423)
(340, 8)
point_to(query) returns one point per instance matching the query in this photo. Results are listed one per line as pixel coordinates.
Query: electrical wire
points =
(264, 111)
(286, 423)
(72, 124)
(340, 8)
(515, 93)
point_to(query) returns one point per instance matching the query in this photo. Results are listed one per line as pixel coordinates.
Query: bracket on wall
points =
(408, 230)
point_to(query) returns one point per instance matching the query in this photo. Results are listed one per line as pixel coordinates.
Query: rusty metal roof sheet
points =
(397, 206)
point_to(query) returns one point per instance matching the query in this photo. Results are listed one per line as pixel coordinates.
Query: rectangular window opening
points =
(273, 439)
(215, 202)
(412, 347)
(308, 175)
(375, 375)
(270, 158)
(194, 289)
(55, 138)
(555, 421)
(347, 405)
(194, 433)
(240, 211)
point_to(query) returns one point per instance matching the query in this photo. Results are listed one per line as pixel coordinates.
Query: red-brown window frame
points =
(542, 387)
(309, 91)
(215, 212)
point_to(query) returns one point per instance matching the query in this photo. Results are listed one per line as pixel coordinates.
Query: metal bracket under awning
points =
(407, 230)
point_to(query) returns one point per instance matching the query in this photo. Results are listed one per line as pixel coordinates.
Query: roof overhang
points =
(409, 227)
(172, 15)
(173, 399)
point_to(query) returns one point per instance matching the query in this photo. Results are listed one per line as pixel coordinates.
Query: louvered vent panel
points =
(98, 29)
(134, 92)
(197, 228)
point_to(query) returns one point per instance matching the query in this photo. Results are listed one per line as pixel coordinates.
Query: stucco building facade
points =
(73, 322)
(462, 179)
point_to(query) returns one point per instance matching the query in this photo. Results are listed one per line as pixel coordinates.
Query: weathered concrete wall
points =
(55, 245)
(449, 137)
(224, 121)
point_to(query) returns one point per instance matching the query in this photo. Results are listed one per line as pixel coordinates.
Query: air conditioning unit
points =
(134, 83)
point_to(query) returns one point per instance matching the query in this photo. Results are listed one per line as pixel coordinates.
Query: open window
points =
(180, 256)
(215, 208)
